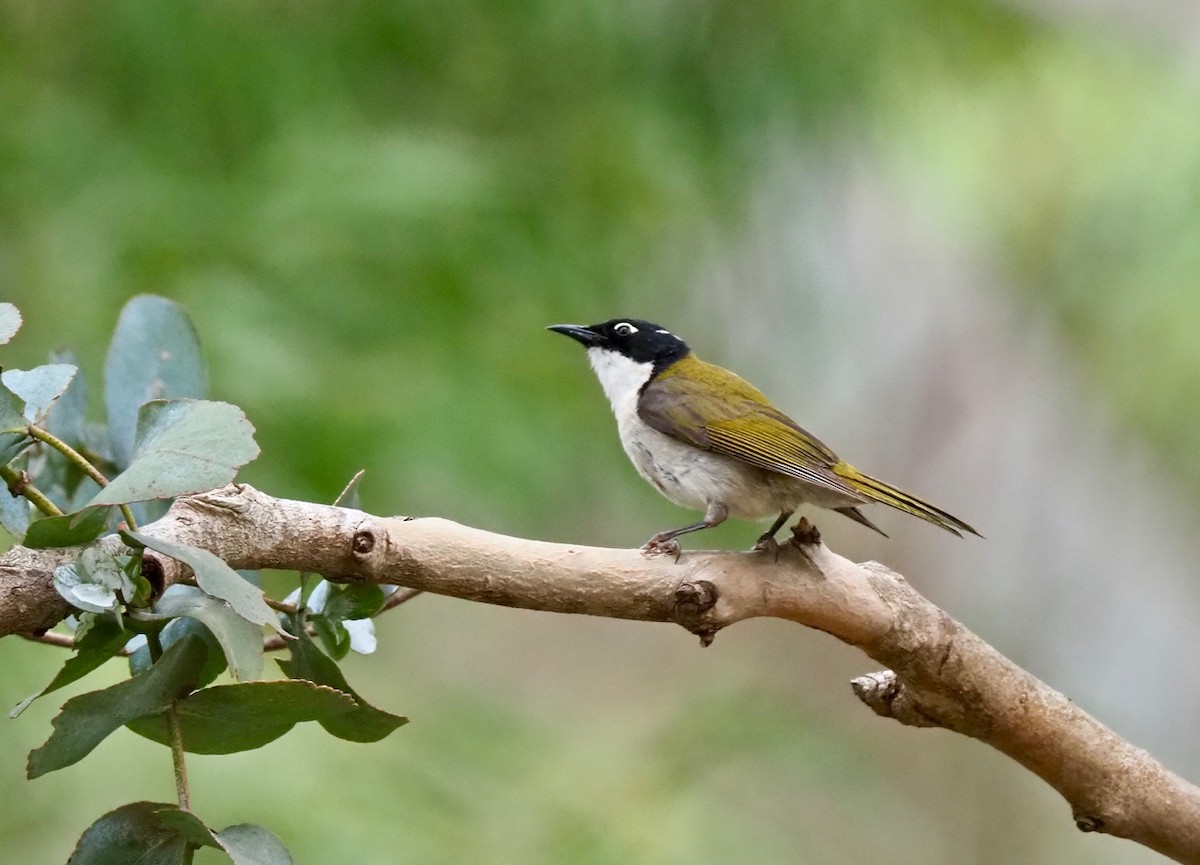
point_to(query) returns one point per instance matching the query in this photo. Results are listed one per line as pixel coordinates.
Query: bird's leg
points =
(664, 543)
(766, 542)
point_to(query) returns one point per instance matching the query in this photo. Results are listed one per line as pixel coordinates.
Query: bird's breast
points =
(693, 478)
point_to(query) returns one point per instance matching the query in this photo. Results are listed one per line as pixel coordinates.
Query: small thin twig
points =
(79, 461)
(277, 642)
(50, 638)
(19, 485)
(280, 606)
(398, 597)
(64, 641)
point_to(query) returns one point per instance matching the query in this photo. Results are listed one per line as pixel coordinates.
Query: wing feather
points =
(741, 424)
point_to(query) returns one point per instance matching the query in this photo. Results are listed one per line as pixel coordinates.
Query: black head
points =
(638, 340)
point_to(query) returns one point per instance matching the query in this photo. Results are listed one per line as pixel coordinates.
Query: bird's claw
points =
(660, 546)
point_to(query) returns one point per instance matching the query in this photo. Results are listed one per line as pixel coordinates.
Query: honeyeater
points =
(709, 440)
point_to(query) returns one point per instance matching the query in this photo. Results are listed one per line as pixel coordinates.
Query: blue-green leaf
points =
(86, 720)
(10, 322)
(73, 583)
(174, 631)
(240, 640)
(183, 446)
(68, 414)
(155, 354)
(216, 578)
(362, 635)
(107, 570)
(39, 387)
(225, 719)
(248, 844)
(96, 581)
(15, 513)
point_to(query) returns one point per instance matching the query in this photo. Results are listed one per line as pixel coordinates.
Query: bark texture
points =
(939, 673)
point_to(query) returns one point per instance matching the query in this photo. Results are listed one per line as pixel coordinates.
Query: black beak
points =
(579, 333)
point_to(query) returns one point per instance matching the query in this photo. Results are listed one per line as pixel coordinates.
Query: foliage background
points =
(956, 238)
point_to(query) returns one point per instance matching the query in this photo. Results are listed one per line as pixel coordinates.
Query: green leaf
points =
(155, 354)
(92, 648)
(216, 578)
(86, 720)
(174, 631)
(39, 387)
(240, 641)
(69, 530)
(13, 426)
(10, 322)
(363, 722)
(133, 833)
(183, 446)
(225, 719)
(248, 844)
(356, 601)
(333, 636)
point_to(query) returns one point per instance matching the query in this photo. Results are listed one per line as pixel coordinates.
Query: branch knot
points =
(888, 697)
(362, 542)
(692, 601)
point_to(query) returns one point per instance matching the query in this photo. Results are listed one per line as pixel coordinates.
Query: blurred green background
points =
(960, 240)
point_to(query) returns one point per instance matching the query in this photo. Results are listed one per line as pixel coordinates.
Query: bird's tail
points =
(880, 491)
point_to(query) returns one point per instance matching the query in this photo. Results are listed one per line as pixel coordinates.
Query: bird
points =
(708, 440)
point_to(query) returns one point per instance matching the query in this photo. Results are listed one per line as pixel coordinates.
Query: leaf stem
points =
(80, 462)
(19, 485)
(177, 753)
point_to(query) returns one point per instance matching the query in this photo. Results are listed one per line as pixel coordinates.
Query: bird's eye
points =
(624, 329)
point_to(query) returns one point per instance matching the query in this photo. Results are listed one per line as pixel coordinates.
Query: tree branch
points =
(940, 674)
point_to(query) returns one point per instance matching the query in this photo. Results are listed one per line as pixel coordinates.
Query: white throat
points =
(620, 376)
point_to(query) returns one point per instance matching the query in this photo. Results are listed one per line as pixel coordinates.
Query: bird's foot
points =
(766, 543)
(661, 545)
(805, 534)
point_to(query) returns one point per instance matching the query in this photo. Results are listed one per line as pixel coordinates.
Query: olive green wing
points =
(740, 423)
